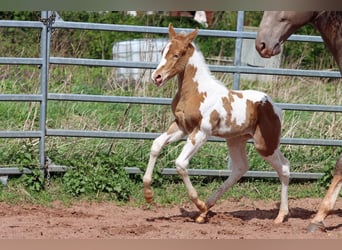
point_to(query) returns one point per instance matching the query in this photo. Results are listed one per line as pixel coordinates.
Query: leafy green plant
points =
(101, 175)
(75, 182)
(328, 172)
(34, 181)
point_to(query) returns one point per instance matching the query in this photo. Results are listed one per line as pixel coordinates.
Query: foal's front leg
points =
(195, 140)
(173, 134)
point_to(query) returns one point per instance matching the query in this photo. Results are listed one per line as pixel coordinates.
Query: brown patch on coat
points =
(193, 135)
(186, 104)
(173, 128)
(251, 113)
(214, 120)
(268, 129)
(227, 104)
(238, 94)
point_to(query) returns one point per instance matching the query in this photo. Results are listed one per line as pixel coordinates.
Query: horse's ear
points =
(191, 36)
(172, 32)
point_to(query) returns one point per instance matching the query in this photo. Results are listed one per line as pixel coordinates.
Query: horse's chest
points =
(187, 114)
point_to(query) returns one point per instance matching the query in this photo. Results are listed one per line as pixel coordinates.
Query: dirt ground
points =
(231, 219)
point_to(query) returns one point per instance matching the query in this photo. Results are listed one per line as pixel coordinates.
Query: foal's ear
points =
(172, 32)
(191, 36)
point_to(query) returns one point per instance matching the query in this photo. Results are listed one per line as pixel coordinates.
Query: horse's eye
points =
(176, 56)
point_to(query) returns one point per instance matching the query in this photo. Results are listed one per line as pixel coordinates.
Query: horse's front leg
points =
(329, 200)
(173, 134)
(195, 140)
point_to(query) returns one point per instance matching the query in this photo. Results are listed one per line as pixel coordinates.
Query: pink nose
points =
(158, 80)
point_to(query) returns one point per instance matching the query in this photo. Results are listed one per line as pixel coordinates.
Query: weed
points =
(102, 175)
(34, 181)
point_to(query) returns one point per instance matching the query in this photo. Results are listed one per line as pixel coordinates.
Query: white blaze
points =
(162, 61)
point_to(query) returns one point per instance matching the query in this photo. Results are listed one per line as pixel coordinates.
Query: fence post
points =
(237, 60)
(44, 71)
(238, 48)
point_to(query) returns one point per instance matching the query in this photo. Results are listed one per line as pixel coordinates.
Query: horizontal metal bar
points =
(17, 171)
(226, 173)
(214, 68)
(53, 168)
(110, 99)
(20, 97)
(20, 134)
(102, 62)
(310, 107)
(21, 60)
(167, 101)
(274, 71)
(21, 24)
(101, 134)
(164, 30)
(312, 142)
(149, 29)
(151, 136)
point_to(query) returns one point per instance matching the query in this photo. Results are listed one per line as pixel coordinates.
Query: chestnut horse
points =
(204, 107)
(275, 27)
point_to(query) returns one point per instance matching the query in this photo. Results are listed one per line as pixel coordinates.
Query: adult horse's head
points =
(174, 56)
(276, 26)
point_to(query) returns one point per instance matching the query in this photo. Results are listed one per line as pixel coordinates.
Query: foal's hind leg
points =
(282, 166)
(237, 152)
(173, 134)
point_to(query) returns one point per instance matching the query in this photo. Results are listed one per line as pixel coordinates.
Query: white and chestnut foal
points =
(203, 107)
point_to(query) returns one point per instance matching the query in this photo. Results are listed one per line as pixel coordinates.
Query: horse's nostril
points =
(262, 46)
(158, 80)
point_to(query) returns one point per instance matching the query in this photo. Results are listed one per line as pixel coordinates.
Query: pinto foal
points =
(203, 107)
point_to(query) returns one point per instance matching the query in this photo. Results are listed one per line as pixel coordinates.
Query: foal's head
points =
(175, 56)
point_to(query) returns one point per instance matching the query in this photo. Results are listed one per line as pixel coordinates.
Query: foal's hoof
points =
(201, 219)
(148, 196)
(314, 226)
(149, 200)
(281, 218)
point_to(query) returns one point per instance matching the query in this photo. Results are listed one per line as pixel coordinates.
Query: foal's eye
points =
(176, 56)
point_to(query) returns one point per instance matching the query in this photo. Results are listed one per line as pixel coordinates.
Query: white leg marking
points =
(237, 152)
(156, 148)
(192, 145)
(282, 166)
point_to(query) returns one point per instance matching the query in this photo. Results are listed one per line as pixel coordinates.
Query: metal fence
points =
(48, 23)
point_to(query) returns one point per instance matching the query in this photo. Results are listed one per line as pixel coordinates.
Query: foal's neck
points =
(196, 70)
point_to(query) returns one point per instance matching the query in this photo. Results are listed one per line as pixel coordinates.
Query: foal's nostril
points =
(262, 46)
(157, 77)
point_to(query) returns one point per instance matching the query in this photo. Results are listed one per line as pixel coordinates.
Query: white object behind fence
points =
(137, 50)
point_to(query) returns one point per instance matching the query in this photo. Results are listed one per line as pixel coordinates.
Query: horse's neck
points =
(329, 24)
(196, 78)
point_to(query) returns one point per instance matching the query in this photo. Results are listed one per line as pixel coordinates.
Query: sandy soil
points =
(231, 219)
